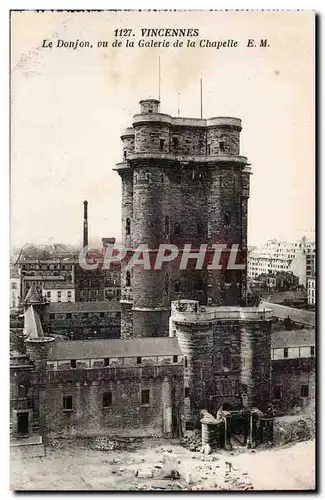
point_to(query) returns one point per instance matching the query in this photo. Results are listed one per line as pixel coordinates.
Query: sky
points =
(69, 106)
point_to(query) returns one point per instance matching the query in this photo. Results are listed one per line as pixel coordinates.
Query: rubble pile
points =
(106, 443)
(193, 443)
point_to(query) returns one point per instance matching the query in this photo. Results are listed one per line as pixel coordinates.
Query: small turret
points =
(149, 106)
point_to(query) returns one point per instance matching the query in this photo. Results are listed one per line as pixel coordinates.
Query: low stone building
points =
(293, 369)
(221, 370)
(82, 320)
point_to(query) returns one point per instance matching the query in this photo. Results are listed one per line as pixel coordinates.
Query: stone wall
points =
(290, 375)
(127, 414)
(228, 362)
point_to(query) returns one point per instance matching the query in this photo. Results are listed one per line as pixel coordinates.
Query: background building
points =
(311, 291)
(58, 292)
(282, 256)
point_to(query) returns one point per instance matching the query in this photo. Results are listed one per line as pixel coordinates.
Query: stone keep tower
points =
(183, 182)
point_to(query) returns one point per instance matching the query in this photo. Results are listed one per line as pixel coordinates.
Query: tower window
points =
(176, 286)
(177, 228)
(227, 218)
(175, 142)
(107, 399)
(198, 284)
(135, 178)
(200, 230)
(124, 154)
(148, 177)
(128, 279)
(277, 392)
(208, 149)
(222, 147)
(128, 226)
(73, 363)
(175, 359)
(139, 360)
(220, 181)
(145, 396)
(185, 361)
(22, 390)
(162, 178)
(161, 144)
(167, 225)
(226, 359)
(67, 402)
(187, 392)
(285, 352)
(166, 284)
(304, 391)
(312, 350)
(106, 362)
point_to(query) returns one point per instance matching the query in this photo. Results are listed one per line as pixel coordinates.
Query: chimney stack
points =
(85, 238)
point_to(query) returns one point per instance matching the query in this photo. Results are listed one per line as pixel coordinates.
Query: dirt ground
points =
(77, 466)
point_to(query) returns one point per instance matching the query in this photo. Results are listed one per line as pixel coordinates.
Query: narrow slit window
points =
(145, 397)
(67, 402)
(107, 399)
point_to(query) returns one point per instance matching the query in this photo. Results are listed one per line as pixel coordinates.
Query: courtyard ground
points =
(76, 465)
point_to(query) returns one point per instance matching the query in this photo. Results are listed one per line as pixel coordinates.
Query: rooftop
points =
(296, 315)
(293, 338)
(190, 311)
(66, 307)
(44, 278)
(114, 348)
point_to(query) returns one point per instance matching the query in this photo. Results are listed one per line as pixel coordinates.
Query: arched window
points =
(177, 228)
(128, 278)
(227, 218)
(226, 359)
(222, 147)
(128, 226)
(124, 154)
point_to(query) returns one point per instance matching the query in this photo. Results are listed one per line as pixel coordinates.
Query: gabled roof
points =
(32, 324)
(293, 338)
(32, 296)
(296, 315)
(114, 348)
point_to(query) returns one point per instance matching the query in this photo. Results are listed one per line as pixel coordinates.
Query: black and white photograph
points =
(162, 251)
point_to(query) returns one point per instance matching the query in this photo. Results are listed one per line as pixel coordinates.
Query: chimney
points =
(85, 238)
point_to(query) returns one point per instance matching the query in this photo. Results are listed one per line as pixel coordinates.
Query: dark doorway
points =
(23, 421)
(239, 430)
